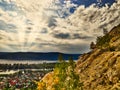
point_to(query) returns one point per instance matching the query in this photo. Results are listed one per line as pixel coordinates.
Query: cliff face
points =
(100, 68)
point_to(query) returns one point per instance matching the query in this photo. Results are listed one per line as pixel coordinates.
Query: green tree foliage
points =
(105, 31)
(71, 63)
(60, 57)
(103, 42)
(92, 45)
(68, 78)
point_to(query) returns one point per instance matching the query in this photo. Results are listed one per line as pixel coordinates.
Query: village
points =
(22, 78)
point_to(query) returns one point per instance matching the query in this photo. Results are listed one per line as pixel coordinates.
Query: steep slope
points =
(100, 68)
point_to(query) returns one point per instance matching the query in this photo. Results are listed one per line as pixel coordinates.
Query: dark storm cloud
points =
(80, 36)
(71, 36)
(62, 35)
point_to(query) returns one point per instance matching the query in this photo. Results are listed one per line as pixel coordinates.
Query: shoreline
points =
(2, 61)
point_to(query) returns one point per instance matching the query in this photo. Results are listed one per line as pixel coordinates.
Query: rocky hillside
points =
(96, 70)
(100, 68)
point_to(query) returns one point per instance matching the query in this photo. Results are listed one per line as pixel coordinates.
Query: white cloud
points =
(38, 22)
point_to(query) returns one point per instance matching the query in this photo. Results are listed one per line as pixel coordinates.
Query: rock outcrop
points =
(100, 68)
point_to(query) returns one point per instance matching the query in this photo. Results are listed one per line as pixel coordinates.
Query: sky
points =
(67, 26)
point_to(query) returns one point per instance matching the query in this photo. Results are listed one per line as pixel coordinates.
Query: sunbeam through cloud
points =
(55, 25)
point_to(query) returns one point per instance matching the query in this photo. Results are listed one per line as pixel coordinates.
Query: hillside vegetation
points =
(100, 68)
(63, 77)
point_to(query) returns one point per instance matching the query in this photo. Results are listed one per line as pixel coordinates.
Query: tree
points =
(71, 62)
(103, 42)
(92, 45)
(105, 31)
(63, 77)
(60, 57)
(65, 72)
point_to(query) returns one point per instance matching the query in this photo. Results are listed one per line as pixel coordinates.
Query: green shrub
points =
(68, 78)
(103, 42)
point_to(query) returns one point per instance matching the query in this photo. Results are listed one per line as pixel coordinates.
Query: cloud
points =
(49, 25)
(52, 22)
(7, 27)
(93, 19)
(7, 5)
(81, 48)
(78, 36)
(61, 47)
(71, 36)
(44, 31)
(62, 36)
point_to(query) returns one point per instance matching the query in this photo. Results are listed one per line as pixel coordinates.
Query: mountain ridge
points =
(35, 55)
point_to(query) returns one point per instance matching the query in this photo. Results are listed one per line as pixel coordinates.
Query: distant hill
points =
(35, 56)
